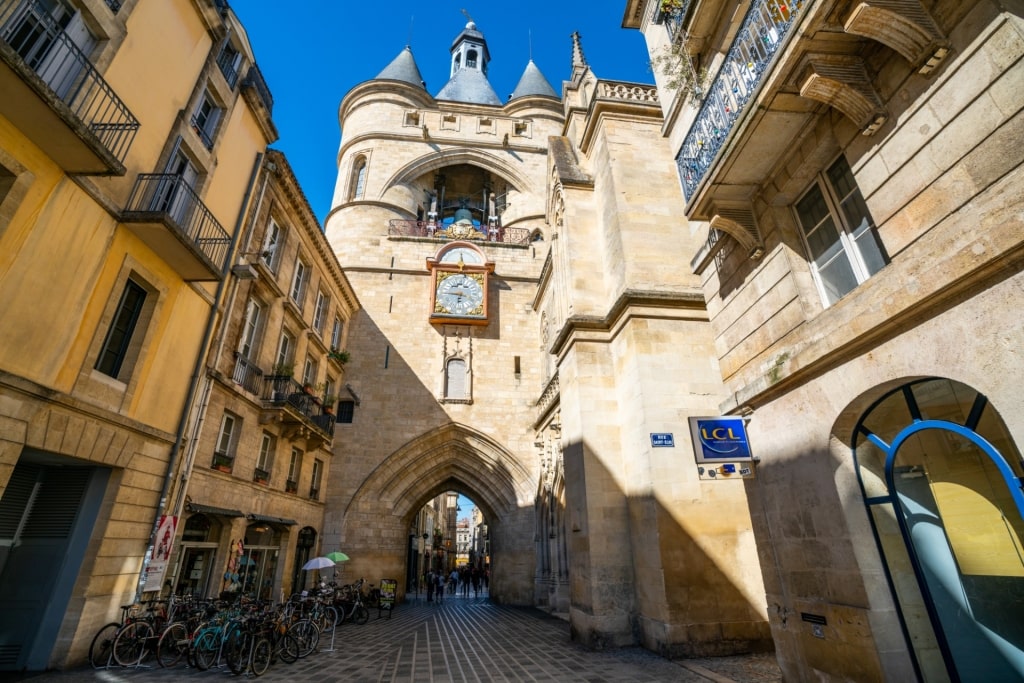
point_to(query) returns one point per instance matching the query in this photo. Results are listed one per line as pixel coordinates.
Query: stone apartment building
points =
(853, 172)
(120, 210)
(273, 400)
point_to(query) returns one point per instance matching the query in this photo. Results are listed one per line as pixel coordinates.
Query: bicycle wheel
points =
(328, 619)
(361, 615)
(172, 645)
(102, 647)
(236, 651)
(288, 648)
(204, 650)
(260, 660)
(306, 634)
(131, 641)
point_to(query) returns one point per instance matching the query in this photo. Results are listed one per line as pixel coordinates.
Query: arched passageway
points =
(375, 525)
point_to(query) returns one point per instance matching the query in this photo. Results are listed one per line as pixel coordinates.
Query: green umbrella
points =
(337, 556)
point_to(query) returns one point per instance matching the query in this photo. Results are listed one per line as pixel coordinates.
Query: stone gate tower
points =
(528, 319)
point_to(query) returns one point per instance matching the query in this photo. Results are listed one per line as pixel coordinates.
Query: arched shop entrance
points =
(941, 479)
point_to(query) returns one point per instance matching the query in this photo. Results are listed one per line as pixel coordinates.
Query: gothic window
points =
(840, 235)
(456, 379)
(359, 178)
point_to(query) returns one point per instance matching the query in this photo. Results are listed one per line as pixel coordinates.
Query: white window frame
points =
(310, 370)
(323, 302)
(298, 288)
(284, 348)
(295, 465)
(270, 254)
(336, 331)
(314, 484)
(227, 437)
(265, 460)
(205, 120)
(847, 246)
(248, 341)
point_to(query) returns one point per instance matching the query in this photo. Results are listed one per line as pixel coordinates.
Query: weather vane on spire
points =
(467, 15)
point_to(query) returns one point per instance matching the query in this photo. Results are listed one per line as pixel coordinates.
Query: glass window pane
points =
(837, 278)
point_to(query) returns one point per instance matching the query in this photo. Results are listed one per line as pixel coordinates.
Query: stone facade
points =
(596, 336)
(916, 99)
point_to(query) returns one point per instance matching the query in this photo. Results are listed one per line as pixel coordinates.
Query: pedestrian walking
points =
(430, 586)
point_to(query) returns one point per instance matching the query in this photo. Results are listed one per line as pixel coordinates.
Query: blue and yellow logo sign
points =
(720, 438)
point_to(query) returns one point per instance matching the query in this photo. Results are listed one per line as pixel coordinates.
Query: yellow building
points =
(119, 213)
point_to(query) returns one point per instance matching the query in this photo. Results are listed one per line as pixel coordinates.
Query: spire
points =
(470, 57)
(532, 82)
(579, 60)
(403, 68)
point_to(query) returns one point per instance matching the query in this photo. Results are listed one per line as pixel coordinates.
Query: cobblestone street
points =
(461, 640)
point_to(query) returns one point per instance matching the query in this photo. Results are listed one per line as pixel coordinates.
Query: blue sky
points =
(311, 58)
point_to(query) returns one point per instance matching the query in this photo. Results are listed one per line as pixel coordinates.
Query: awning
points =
(211, 510)
(269, 520)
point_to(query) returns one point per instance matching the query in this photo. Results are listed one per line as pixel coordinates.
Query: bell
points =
(463, 216)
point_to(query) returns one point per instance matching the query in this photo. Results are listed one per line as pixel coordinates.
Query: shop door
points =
(46, 516)
(194, 576)
(950, 481)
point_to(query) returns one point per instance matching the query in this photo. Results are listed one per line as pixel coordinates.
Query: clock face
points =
(460, 294)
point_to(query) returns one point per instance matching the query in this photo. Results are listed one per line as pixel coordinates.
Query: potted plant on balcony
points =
(341, 356)
(283, 370)
(261, 476)
(222, 462)
(328, 403)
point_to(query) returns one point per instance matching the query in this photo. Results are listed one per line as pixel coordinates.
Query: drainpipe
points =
(197, 374)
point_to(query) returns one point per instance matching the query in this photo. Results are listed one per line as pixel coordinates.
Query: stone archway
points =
(374, 526)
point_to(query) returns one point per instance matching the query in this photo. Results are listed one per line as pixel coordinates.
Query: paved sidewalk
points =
(461, 640)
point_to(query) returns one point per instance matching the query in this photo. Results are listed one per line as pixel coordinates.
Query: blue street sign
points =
(662, 440)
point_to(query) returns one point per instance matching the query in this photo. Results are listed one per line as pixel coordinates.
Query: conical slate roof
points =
(403, 68)
(532, 82)
(470, 86)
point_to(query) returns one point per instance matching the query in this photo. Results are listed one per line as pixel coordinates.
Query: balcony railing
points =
(227, 61)
(672, 14)
(114, 6)
(247, 374)
(280, 392)
(167, 196)
(202, 133)
(408, 228)
(254, 78)
(222, 461)
(291, 486)
(29, 29)
(260, 476)
(757, 41)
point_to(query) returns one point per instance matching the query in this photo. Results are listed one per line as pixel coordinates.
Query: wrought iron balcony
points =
(114, 5)
(408, 228)
(201, 131)
(260, 476)
(758, 40)
(53, 92)
(167, 214)
(227, 62)
(222, 461)
(298, 408)
(247, 374)
(672, 13)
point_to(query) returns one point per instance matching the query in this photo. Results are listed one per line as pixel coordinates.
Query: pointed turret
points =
(403, 68)
(533, 82)
(468, 82)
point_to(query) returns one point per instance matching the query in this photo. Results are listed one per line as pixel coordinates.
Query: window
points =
(265, 459)
(299, 282)
(456, 379)
(294, 469)
(284, 350)
(119, 337)
(320, 311)
(336, 331)
(309, 371)
(230, 61)
(346, 411)
(839, 233)
(205, 119)
(314, 485)
(471, 59)
(250, 329)
(270, 254)
(224, 451)
(359, 178)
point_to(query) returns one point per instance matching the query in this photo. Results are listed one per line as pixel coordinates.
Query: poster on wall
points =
(163, 541)
(388, 588)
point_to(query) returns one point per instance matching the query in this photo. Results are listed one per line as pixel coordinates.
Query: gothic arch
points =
(450, 456)
(416, 168)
